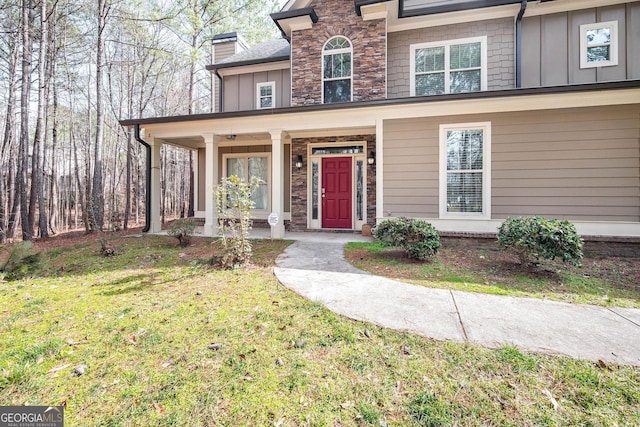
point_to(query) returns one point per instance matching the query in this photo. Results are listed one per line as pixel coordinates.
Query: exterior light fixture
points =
(231, 137)
(299, 161)
(372, 158)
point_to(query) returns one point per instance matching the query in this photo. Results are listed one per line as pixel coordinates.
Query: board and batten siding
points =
(240, 90)
(500, 52)
(551, 46)
(579, 164)
(221, 51)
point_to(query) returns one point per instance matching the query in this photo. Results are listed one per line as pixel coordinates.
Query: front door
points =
(337, 192)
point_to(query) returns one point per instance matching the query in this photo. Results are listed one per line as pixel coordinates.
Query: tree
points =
(20, 201)
(9, 52)
(97, 200)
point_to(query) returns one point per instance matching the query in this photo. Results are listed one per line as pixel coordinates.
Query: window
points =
(266, 95)
(599, 44)
(336, 70)
(454, 66)
(246, 166)
(465, 179)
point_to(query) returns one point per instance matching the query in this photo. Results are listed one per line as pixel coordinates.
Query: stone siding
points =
(500, 52)
(368, 39)
(299, 194)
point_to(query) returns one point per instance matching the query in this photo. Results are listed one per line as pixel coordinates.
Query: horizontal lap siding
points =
(411, 168)
(580, 164)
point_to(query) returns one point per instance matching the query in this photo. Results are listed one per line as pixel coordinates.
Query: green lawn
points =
(169, 342)
(607, 281)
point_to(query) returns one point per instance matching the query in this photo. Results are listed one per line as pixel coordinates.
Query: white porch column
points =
(277, 181)
(379, 170)
(211, 180)
(156, 225)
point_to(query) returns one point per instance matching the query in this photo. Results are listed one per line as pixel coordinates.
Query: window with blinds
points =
(464, 171)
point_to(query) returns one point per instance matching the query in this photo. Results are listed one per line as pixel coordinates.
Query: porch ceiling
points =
(195, 142)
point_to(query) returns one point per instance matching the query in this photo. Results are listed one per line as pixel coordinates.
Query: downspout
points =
(147, 210)
(523, 8)
(220, 92)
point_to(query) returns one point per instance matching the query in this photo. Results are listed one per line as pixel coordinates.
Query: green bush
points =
(418, 238)
(541, 238)
(182, 229)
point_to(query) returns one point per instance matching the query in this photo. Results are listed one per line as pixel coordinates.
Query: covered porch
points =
(313, 179)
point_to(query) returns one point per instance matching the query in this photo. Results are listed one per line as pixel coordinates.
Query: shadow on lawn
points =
(137, 283)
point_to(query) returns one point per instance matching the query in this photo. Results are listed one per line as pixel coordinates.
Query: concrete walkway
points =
(314, 267)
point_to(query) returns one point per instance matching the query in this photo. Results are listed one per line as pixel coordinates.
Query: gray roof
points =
(266, 51)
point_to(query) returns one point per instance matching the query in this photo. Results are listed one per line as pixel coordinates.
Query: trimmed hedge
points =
(539, 237)
(418, 238)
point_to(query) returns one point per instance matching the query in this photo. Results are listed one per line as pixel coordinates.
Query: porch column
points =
(211, 180)
(156, 225)
(379, 170)
(277, 181)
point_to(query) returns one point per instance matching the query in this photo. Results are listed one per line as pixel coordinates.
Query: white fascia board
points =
(437, 20)
(375, 11)
(256, 68)
(366, 117)
(540, 8)
(295, 24)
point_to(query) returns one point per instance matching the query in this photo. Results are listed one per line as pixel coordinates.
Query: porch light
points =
(372, 158)
(299, 161)
(230, 137)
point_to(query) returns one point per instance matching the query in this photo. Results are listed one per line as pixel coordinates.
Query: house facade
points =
(462, 113)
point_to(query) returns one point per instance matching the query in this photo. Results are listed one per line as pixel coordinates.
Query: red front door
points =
(337, 182)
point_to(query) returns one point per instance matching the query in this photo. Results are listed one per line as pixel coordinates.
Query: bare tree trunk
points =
(7, 161)
(23, 151)
(98, 191)
(37, 168)
(54, 190)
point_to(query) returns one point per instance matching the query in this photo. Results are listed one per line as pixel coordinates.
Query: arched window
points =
(336, 70)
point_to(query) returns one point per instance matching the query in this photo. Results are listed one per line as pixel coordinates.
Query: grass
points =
(170, 342)
(606, 281)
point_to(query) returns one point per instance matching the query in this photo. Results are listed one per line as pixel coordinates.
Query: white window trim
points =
(259, 97)
(486, 171)
(584, 63)
(246, 156)
(447, 45)
(333, 52)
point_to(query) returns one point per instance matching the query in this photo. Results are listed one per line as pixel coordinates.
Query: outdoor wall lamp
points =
(372, 158)
(299, 161)
(230, 137)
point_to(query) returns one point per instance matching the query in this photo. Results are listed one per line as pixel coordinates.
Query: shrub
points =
(182, 229)
(418, 238)
(234, 203)
(541, 238)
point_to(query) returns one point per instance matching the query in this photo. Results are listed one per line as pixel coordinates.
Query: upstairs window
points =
(599, 44)
(266, 95)
(336, 70)
(454, 66)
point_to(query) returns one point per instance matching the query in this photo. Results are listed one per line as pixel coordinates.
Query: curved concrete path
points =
(314, 267)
